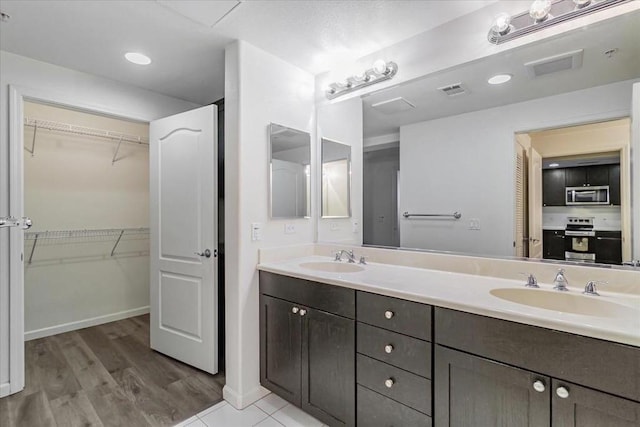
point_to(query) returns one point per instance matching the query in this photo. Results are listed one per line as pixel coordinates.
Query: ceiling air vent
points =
(554, 64)
(453, 90)
(392, 106)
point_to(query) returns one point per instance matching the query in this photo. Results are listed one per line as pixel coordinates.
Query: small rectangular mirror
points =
(336, 179)
(290, 164)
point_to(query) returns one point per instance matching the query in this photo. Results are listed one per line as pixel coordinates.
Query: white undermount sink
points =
(332, 267)
(566, 302)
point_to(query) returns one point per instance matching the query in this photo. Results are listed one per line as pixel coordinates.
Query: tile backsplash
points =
(604, 217)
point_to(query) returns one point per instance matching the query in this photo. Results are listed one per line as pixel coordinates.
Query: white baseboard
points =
(239, 401)
(85, 323)
(5, 389)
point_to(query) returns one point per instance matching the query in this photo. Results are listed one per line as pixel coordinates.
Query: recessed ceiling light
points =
(498, 79)
(137, 58)
(554, 165)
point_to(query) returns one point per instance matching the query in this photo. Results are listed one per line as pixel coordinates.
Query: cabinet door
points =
(598, 175)
(328, 367)
(553, 244)
(584, 407)
(472, 391)
(608, 247)
(553, 186)
(576, 177)
(280, 347)
(614, 184)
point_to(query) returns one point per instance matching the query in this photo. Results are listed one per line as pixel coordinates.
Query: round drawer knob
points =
(389, 383)
(303, 312)
(388, 314)
(388, 348)
(562, 392)
(294, 310)
(539, 386)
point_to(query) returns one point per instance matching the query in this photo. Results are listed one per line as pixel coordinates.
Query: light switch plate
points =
(256, 231)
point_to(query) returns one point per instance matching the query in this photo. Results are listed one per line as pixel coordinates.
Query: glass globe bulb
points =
(501, 23)
(380, 66)
(540, 9)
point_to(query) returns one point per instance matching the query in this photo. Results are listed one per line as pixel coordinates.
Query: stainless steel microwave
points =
(596, 195)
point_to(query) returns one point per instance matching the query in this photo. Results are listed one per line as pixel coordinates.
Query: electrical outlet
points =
(256, 231)
(354, 226)
(474, 224)
(289, 229)
(334, 226)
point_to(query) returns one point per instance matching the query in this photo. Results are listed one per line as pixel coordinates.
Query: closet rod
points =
(82, 130)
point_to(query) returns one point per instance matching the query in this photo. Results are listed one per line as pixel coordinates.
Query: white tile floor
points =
(270, 411)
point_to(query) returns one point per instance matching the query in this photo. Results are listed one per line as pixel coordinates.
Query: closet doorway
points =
(84, 178)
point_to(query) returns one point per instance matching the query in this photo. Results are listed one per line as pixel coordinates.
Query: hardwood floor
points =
(106, 375)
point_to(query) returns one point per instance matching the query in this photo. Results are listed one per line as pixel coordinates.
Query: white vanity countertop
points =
(471, 293)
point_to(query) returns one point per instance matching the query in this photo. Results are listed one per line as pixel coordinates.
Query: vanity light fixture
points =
(380, 71)
(543, 14)
(554, 165)
(498, 79)
(137, 58)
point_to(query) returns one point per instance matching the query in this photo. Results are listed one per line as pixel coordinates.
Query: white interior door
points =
(183, 237)
(535, 204)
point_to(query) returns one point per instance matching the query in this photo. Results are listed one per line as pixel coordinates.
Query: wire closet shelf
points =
(85, 236)
(51, 125)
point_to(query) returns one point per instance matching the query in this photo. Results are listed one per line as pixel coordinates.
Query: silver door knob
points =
(562, 392)
(294, 310)
(389, 383)
(303, 312)
(206, 253)
(388, 348)
(388, 314)
(539, 386)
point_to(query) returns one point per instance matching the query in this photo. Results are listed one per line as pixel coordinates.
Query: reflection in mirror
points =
(336, 179)
(451, 142)
(290, 162)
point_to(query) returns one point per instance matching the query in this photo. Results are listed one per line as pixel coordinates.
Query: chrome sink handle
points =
(590, 288)
(560, 282)
(532, 282)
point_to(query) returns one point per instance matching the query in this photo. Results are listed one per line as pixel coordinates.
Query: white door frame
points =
(17, 96)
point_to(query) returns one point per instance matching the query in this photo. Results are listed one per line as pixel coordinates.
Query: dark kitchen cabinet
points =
(553, 244)
(614, 184)
(553, 187)
(307, 354)
(587, 176)
(472, 391)
(608, 247)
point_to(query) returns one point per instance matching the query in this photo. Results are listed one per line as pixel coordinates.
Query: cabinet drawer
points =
(408, 353)
(329, 298)
(406, 317)
(409, 389)
(607, 366)
(375, 410)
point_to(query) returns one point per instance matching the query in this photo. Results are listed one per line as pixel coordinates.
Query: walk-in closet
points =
(86, 188)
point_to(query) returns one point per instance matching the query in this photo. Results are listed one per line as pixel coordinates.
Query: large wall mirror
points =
(336, 179)
(290, 165)
(537, 167)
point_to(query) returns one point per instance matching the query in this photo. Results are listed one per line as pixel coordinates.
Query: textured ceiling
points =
(186, 39)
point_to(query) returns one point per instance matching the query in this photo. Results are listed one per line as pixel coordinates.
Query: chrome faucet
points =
(632, 263)
(531, 280)
(560, 282)
(351, 258)
(590, 288)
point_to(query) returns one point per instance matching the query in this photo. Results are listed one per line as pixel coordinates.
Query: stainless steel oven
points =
(596, 195)
(580, 240)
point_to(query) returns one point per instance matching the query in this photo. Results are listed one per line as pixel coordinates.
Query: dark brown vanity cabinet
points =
(494, 372)
(307, 346)
(393, 365)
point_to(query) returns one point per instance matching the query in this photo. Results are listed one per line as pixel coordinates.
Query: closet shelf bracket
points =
(117, 241)
(33, 141)
(33, 248)
(115, 156)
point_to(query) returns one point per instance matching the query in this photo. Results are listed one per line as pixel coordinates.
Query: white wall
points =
(71, 87)
(259, 89)
(70, 184)
(466, 163)
(342, 122)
